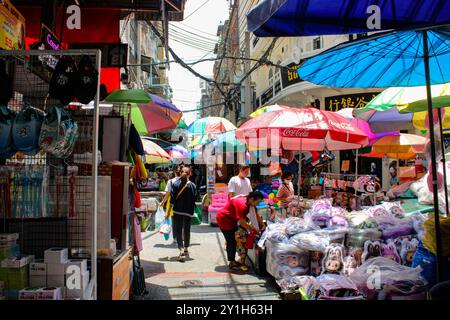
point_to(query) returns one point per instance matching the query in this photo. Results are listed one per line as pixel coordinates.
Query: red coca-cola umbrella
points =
(302, 129)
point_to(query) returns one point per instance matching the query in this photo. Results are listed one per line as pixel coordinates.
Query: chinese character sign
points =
(357, 101)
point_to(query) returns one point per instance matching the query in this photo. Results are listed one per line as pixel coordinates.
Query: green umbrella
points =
(227, 142)
(421, 105)
(130, 95)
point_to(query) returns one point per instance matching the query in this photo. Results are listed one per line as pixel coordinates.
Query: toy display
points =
(334, 252)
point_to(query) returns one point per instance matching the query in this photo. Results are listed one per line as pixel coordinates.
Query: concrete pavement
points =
(204, 276)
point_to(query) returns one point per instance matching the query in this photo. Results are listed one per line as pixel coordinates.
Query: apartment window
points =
(317, 43)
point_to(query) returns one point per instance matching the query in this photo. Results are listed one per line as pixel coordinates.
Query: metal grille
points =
(48, 201)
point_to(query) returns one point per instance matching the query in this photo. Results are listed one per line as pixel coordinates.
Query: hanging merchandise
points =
(64, 81)
(26, 130)
(59, 133)
(7, 117)
(27, 192)
(87, 79)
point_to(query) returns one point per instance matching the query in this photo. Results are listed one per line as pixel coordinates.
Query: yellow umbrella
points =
(402, 143)
(420, 119)
(154, 153)
(265, 109)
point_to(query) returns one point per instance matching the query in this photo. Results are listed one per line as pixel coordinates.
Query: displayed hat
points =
(7, 117)
(87, 81)
(63, 83)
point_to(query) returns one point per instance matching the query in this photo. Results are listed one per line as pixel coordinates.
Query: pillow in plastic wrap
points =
(310, 241)
(284, 261)
(337, 286)
(361, 220)
(295, 225)
(377, 211)
(394, 208)
(377, 272)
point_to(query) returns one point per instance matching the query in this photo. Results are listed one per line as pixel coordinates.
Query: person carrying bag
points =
(182, 198)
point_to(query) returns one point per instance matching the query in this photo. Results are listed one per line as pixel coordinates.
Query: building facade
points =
(146, 56)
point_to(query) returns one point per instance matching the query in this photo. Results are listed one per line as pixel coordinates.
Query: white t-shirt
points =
(239, 186)
(170, 184)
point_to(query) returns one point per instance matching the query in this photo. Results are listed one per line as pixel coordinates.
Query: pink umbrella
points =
(306, 129)
(364, 126)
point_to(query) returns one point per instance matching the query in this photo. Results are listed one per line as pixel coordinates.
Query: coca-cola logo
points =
(295, 133)
(341, 125)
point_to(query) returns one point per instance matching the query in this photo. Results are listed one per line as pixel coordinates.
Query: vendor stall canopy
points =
(291, 18)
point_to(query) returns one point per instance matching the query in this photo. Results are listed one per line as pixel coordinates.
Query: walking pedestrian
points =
(234, 223)
(240, 184)
(165, 203)
(182, 197)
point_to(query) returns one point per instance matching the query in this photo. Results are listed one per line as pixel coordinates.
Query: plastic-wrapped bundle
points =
(310, 241)
(377, 211)
(418, 221)
(375, 273)
(275, 232)
(295, 225)
(285, 260)
(361, 220)
(334, 286)
(334, 234)
(320, 212)
(308, 286)
(394, 208)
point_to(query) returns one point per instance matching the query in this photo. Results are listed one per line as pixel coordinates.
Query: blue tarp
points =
(290, 18)
(393, 59)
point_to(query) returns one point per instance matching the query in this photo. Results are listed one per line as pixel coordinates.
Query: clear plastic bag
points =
(166, 229)
(296, 225)
(310, 241)
(376, 272)
(159, 217)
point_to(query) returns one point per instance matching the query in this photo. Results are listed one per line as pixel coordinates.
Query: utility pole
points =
(248, 82)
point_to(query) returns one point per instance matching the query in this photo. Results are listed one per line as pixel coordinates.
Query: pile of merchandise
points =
(56, 277)
(328, 253)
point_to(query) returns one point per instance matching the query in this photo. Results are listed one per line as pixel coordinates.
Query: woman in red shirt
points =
(234, 216)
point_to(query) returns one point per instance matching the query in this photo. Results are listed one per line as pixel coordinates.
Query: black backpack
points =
(64, 81)
(87, 80)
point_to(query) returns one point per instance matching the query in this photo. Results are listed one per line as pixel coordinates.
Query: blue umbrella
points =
(398, 58)
(293, 18)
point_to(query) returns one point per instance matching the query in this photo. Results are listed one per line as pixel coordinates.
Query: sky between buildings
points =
(204, 15)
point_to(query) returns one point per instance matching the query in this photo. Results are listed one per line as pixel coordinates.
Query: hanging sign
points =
(357, 101)
(290, 76)
(12, 27)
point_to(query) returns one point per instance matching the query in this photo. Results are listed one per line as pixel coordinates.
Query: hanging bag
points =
(26, 129)
(7, 117)
(138, 285)
(59, 133)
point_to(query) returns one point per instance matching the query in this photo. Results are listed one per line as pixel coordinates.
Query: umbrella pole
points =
(433, 158)
(299, 174)
(356, 170)
(443, 162)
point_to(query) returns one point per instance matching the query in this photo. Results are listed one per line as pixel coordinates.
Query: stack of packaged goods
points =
(328, 253)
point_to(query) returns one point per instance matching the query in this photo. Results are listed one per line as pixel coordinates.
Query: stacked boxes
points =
(38, 274)
(40, 294)
(56, 259)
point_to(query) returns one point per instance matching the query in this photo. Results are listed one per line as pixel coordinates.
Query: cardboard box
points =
(29, 293)
(50, 293)
(56, 280)
(17, 262)
(81, 263)
(56, 269)
(38, 281)
(38, 268)
(78, 292)
(56, 255)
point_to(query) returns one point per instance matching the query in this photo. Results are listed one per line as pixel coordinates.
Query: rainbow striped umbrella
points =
(149, 113)
(210, 125)
(154, 153)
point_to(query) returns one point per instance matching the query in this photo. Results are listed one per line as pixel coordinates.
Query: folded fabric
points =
(429, 239)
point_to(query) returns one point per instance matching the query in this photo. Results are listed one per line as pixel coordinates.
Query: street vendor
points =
(240, 184)
(234, 223)
(286, 189)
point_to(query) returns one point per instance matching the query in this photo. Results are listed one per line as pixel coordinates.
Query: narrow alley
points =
(204, 275)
